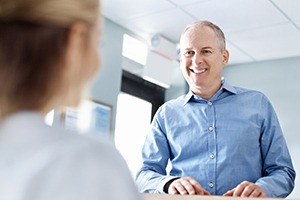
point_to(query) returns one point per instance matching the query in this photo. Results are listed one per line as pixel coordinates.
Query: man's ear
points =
(179, 59)
(225, 57)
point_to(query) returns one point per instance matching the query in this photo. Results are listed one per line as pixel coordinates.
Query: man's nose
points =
(198, 58)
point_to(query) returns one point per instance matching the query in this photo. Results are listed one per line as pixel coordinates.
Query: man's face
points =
(202, 59)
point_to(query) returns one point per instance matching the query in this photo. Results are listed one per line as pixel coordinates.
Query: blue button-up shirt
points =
(221, 142)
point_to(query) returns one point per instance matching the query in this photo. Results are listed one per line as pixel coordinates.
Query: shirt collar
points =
(228, 87)
(224, 86)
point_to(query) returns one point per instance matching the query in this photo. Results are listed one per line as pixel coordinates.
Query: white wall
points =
(107, 83)
(280, 81)
(178, 86)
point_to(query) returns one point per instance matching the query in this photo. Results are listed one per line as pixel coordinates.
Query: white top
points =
(38, 162)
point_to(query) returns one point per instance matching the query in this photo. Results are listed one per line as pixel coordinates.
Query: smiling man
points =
(220, 139)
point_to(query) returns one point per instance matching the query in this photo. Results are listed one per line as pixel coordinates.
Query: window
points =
(132, 124)
(137, 103)
(134, 49)
(49, 118)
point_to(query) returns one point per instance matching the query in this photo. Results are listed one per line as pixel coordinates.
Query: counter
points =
(196, 197)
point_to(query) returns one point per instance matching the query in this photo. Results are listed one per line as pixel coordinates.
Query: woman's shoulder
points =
(87, 166)
(77, 144)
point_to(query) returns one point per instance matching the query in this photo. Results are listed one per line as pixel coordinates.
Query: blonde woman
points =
(48, 54)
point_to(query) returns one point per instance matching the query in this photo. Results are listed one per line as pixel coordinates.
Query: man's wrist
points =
(167, 185)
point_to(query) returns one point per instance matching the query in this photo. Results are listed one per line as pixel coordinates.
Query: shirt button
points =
(209, 103)
(211, 184)
(210, 128)
(212, 156)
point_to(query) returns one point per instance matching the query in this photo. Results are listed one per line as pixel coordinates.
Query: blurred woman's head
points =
(48, 52)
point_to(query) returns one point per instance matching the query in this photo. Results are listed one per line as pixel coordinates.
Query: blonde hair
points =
(33, 38)
(61, 13)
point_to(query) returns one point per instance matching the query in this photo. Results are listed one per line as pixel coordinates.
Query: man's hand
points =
(246, 189)
(187, 186)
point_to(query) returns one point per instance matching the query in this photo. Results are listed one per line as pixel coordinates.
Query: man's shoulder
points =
(247, 91)
(246, 94)
(172, 105)
(176, 102)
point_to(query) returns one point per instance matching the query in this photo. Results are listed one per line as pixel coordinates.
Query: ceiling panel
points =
(257, 30)
(127, 9)
(169, 23)
(237, 56)
(270, 42)
(290, 7)
(186, 2)
(233, 15)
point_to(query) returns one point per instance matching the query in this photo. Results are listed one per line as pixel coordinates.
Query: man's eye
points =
(189, 53)
(206, 52)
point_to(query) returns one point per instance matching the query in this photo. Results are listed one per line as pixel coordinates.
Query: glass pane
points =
(134, 49)
(132, 124)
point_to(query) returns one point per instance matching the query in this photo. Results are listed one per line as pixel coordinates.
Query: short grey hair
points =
(219, 33)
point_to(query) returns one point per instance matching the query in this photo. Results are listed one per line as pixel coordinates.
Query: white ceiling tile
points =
(256, 29)
(269, 43)
(186, 2)
(233, 15)
(237, 56)
(169, 23)
(290, 7)
(126, 9)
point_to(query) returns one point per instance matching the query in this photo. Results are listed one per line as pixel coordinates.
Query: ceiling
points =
(255, 30)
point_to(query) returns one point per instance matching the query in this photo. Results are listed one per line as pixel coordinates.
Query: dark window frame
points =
(141, 88)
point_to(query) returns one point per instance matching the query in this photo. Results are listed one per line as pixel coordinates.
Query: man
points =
(220, 139)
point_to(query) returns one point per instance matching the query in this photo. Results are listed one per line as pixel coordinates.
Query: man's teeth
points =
(198, 71)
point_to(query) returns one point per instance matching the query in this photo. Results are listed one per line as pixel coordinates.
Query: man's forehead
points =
(195, 31)
(197, 35)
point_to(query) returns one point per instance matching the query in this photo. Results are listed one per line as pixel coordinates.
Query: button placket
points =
(211, 146)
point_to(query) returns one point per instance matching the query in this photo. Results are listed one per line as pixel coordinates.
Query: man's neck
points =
(207, 93)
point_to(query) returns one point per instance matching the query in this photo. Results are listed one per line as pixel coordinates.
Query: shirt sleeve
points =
(152, 177)
(278, 173)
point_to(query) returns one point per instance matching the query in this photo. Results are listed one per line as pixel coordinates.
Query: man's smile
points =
(198, 71)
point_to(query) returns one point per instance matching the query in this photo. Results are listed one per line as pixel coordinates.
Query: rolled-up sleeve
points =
(278, 173)
(152, 177)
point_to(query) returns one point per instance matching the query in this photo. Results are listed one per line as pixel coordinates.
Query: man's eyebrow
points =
(207, 48)
(188, 48)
